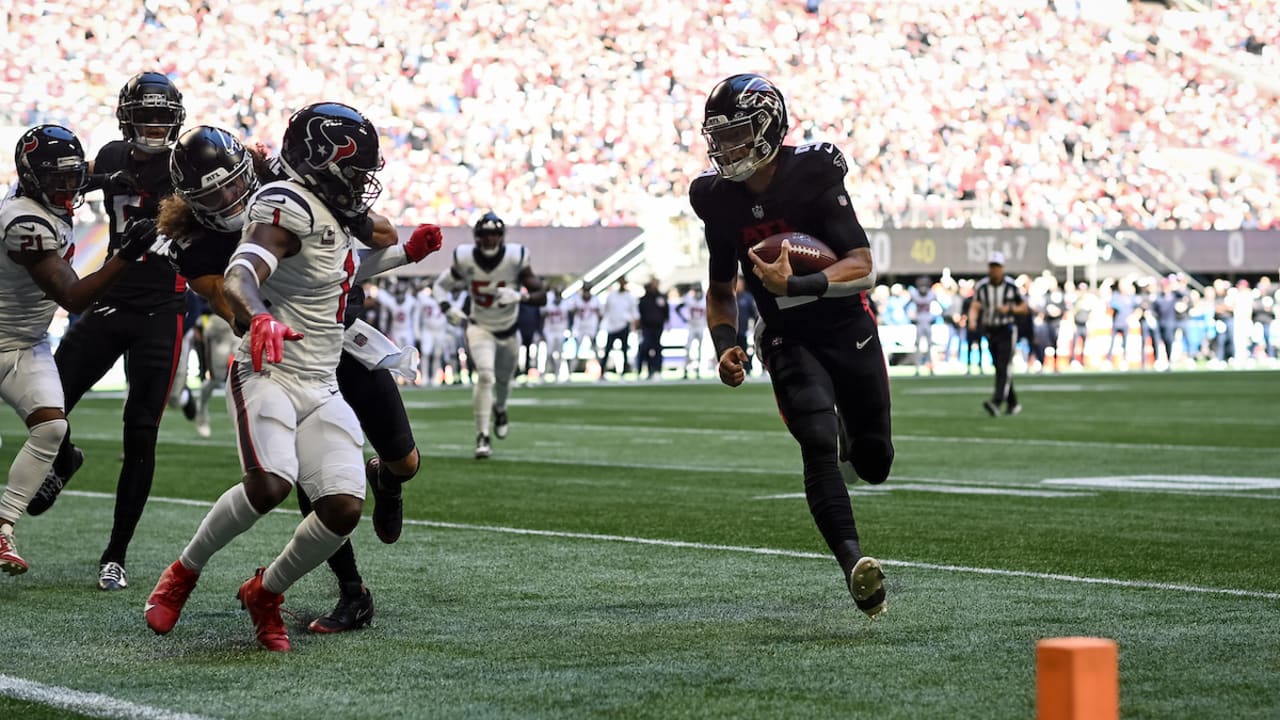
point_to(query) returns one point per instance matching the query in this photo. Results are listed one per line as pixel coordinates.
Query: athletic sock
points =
(312, 543)
(231, 515)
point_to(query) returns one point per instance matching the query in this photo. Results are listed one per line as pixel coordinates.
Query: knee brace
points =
(44, 439)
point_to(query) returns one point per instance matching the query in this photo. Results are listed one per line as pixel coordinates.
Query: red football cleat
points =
(10, 561)
(164, 606)
(264, 609)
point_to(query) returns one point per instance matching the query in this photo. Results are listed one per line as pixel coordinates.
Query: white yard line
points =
(1134, 584)
(747, 435)
(947, 489)
(85, 703)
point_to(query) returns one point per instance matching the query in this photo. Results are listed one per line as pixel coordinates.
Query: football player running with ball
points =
(35, 277)
(288, 281)
(214, 175)
(498, 276)
(817, 336)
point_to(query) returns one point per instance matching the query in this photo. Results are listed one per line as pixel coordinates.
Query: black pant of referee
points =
(1000, 341)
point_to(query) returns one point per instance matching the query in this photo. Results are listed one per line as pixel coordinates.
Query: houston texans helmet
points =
(51, 167)
(490, 233)
(332, 150)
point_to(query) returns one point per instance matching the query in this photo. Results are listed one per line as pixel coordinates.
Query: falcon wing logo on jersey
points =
(322, 149)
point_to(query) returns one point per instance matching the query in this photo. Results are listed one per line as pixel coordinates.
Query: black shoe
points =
(500, 424)
(991, 408)
(189, 405)
(388, 505)
(352, 612)
(54, 482)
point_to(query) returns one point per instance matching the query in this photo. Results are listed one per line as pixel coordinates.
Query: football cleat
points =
(111, 576)
(500, 423)
(189, 408)
(165, 603)
(1014, 409)
(866, 585)
(352, 612)
(991, 408)
(483, 449)
(264, 610)
(388, 505)
(10, 561)
(54, 482)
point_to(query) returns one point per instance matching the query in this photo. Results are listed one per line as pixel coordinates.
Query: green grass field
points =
(644, 551)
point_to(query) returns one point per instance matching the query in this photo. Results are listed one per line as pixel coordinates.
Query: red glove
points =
(424, 241)
(266, 337)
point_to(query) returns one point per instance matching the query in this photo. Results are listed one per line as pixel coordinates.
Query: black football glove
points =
(138, 237)
(120, 182)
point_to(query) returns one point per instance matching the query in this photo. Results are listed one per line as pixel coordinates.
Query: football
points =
(808, 253)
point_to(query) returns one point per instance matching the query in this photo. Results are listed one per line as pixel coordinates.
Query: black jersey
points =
(149, 285)
(203, 252)
(806, 195)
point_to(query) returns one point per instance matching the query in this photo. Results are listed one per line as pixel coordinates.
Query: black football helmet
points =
(744, 123)
(150, 112)
(213, 173)
(333, 151)
(490, 233)
(51, 167)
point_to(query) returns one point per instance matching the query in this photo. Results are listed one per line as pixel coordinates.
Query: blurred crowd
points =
(576, 113)
(1133, 322)
(1130, 323)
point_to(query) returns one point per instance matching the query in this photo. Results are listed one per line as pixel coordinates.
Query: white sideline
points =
(1113, 582)
(85, 703)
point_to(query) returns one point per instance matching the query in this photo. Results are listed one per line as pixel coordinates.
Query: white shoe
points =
(866, 585)
(483, 450)
(203, 429)
(111, 577)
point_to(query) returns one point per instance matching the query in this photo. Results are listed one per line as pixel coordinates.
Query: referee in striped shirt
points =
(996, 300)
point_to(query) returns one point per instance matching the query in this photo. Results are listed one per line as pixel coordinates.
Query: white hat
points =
(997, 258)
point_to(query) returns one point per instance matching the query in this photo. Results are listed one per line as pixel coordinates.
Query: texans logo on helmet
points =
(321, 151)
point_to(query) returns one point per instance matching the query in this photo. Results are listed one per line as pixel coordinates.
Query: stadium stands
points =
(1000, 112)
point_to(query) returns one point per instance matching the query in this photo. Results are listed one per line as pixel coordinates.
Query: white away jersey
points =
(307, 291)
(586, 316)
(25, 312)
(695, 309)
(555, 317)
(482, 284)
(430, 317)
